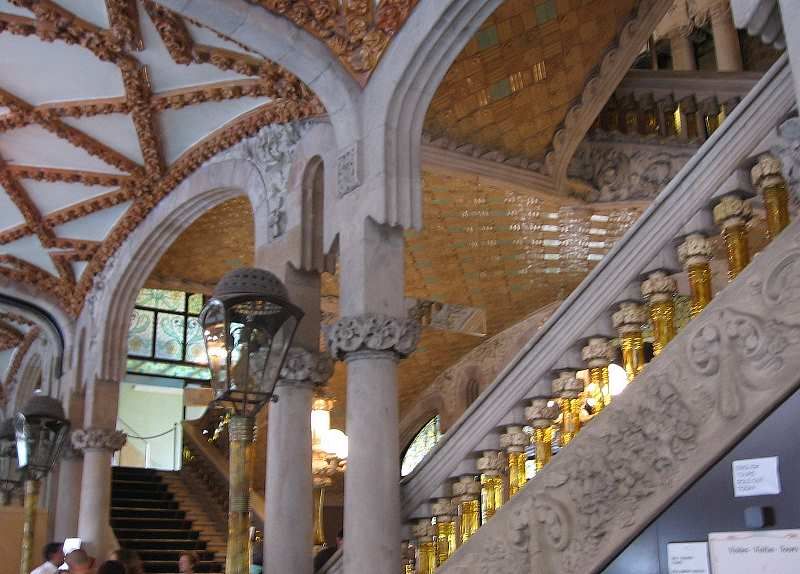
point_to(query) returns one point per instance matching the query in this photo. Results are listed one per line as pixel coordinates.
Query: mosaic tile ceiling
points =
(503, 250)
(105, 106)
(512, 85)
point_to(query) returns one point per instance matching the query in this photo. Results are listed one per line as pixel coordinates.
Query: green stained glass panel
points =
(142, 367)
(169, 337)
(195, 348)
(162, 299)
(195, 303)
(422, 444)
(140, 334)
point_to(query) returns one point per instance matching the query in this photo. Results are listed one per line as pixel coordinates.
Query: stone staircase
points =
(153, 515)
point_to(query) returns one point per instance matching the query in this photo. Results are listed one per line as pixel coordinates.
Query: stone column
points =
(726, 39)
(288, 530)
(680, 44)
(98, 446)
(371, 344)
(68, 499)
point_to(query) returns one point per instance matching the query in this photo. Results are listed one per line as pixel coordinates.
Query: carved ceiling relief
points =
(136, 186)
(357, 31)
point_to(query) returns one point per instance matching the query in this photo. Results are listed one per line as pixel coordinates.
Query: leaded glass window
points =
(165, 338)
(420, 446)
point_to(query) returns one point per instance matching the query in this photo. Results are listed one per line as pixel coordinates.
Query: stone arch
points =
(279, 40)
(431, 403)
(108, 307)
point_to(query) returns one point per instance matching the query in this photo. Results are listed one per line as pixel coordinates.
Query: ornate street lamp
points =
(10, 477)
(41, 430)
(328, 458)
(248, 326)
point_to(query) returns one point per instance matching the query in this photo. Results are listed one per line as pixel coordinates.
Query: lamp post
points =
(41, 430)
(328, 458)
(248, 326)
(10, 478)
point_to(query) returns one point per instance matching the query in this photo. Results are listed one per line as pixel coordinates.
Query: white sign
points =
(761, 552)
(687, 558)
(756, 476)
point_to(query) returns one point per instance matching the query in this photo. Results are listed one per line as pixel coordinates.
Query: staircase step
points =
(141, 544)
(134, 473)
(149, 555)
(138, 485)
(171, 566)
(140, 494)
(151, 523)
(131, 512)
(171, 533)
(122, 502)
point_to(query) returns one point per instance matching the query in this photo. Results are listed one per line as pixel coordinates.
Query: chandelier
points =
(328, 457)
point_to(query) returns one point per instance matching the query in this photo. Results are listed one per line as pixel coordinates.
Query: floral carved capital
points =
(659, 287)
(302, 366)
(567, 385)
(787, 149)
(373, 332)
(98, 439)
(597, 353)
(629, 318)
(542, 412)
(732, 210)
(695, 250)
(514, 439)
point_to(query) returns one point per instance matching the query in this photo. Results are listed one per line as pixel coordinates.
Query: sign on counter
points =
(760, 552)
(756, 476)
(687, 558)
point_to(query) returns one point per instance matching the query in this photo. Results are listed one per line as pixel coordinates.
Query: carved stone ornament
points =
(732, 210)
(719, 378)
(659, 287)
(466, 489)
(514, 439)
(787, 149)
(373, 332)
(542, 412)
(567, 385)
(491, 462)
(423, 530)
(443, 510)
(597, 352)
(347, 171)
(624, 172)
(695, 250)
(303, 366)
(271, 151)
(630, 317)
(98, 439)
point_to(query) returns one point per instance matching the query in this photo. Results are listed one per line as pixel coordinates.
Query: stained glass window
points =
(165, 338)
(422, 444)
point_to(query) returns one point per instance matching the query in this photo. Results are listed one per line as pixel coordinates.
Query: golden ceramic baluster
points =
(541, 414)
(659, 290)
(768, 178)
(490, 465)
(568, 388)
(424, 532)
(467, 499)
(598, 354)
(514, 442)
(628, 321)
(695, 254)
(407, 552)
(732, 214)
(445, 529)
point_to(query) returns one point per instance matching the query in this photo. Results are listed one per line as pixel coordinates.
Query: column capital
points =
(787, 149)
(373, 332)
(98, 439)
(514, 439)
(567, 385)
(658, 287)
(630, 317)
(466, 489)
(491, 462)
(69, 452)
(542, 412)
(695, 250)
(597, 353)
(732, 210)
(423, 530)
(443, 509)
(306, 367)
(767, 172)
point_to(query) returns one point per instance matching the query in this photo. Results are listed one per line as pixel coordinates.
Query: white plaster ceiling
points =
(55, 75)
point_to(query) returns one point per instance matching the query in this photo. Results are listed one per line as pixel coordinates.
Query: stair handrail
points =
(768, 103)
(219, 463)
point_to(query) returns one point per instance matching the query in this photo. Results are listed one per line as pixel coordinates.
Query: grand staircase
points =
(148, 518)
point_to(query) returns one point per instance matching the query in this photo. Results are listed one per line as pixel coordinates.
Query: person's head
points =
(186, 562)
(339, 538)
(112, 567)
(54, 553)
(78, 562)
(133, 565)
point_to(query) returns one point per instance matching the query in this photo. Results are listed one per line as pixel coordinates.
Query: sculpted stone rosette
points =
(98, 439)
(732, 210)
(659, 287)
(787, 149)
(630, 317)
(307, 366)
(567, 385)
(373, 332)
(695, 250)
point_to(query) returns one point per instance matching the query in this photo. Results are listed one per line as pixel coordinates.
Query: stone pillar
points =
(98, 446)
(288, 530)
(373, 334)
(726, 38)
(732, 214)
(680, 44)
(68, 499)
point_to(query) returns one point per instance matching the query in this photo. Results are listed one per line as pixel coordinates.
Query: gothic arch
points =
(108, 308)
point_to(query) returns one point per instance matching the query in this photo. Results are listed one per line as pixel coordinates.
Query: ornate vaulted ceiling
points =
(104, 108)
(512, 85)
(17, 334)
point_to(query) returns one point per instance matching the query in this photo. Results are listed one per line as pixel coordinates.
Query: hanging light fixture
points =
(328, 458)
(248, 326)
(40, 429)
(10, 477)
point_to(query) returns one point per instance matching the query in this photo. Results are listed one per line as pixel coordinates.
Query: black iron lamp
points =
(10, 477)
